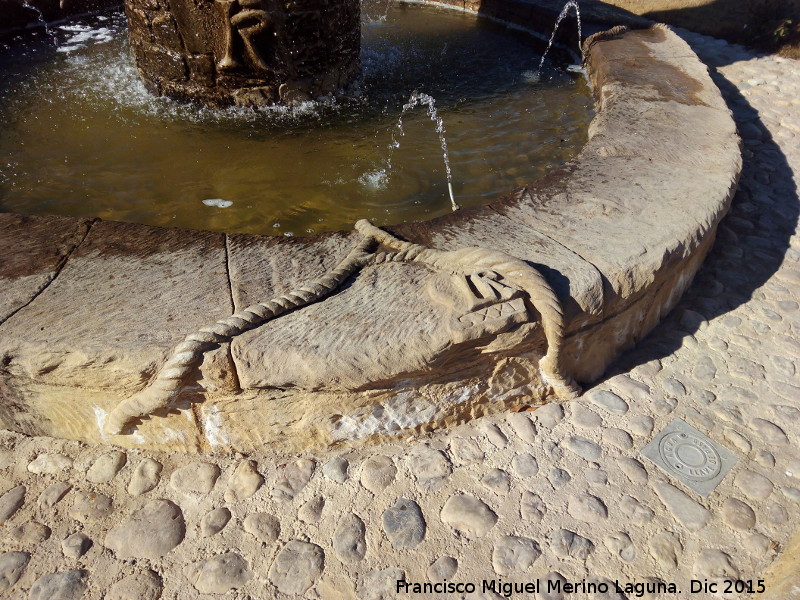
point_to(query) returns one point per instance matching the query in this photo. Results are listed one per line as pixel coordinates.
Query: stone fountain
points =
(199, 341)
(245, 52)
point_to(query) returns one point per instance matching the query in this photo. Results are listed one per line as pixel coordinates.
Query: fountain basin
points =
(280, 170)
(92, 308)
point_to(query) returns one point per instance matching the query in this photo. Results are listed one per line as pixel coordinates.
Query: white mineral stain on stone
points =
(404, 411)
(213, 427)
(168, 434)
(100, 417)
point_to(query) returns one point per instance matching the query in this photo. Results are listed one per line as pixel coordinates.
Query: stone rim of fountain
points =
(602, 229)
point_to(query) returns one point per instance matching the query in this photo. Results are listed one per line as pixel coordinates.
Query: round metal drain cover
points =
(690, 456)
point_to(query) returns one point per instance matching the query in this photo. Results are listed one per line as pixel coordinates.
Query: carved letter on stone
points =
(246, 18)
(482, 303)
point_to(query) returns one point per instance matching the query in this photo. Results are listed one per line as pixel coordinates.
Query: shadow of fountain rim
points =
(618, 232)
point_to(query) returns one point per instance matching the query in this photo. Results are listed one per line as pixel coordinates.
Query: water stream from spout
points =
(378, 178)
(41, 21)
(561, 17)
(416, 99)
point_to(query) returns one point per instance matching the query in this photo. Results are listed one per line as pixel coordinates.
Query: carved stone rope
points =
(187, 355)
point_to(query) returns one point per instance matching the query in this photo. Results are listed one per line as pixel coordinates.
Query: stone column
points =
(245, 52)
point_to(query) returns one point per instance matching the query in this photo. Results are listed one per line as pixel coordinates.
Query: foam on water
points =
(218, 202)
(375, 180)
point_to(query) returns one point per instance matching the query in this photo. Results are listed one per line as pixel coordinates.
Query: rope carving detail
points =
(168, 383)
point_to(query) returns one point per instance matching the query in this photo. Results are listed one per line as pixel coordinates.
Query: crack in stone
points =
(57, 271)
(232, 358)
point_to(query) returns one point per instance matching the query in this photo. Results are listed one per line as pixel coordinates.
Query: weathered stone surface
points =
(404, 524)
(522, 426)
(715, 563)
(532, 507)
(151, 532)
(179, 275)
(634, 470)
(106, 467)
(617, 437)
(634, 510)
(587, 508)
(620, 546)
(549, 415)
(466, 450)
(141, 586)
(495, 435)
(442, 568)
(219, 574)
(12, 564)
(145, 477)
(89, 506)
(469, 515)
(667, 549)
(558, 477)
(336, 469)
(76, 545)
(565, 544)
(50, 464)
(753, 485)
(597, 477)
(429, 466)
(770, 432)
(246, 56)
(524, 465)
(364, 320)
(64, 586)
(496, 480)
(30, 533)
(584, 417)
(642, 425)
(196, 478)
(297, 566)
(10, 502)
(295, 477)
(737, 514)
(609, 401)
(692, 515)
(348, 540)
(513, 554)
(584, 448)
(311, 511)
(264, 527)
(380, 585)
(245, 481)
(42, 245)
(214, 521)
(377, 473)
(53, 494)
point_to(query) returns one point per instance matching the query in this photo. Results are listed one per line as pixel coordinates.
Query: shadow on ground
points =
(752, 241)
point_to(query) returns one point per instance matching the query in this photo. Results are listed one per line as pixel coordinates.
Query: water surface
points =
(81, 136)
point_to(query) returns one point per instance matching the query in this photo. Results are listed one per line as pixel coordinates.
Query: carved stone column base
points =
(245, 52)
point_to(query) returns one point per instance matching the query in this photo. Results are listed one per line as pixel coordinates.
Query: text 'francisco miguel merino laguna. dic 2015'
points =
(508, 589)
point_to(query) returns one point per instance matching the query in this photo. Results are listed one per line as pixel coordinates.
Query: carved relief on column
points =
(245, 52)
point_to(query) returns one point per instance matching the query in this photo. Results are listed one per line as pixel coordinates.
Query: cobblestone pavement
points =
(561, 493)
